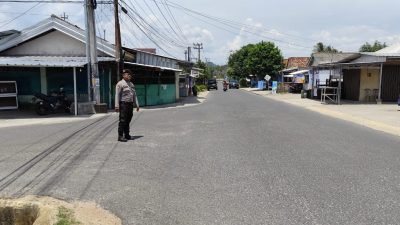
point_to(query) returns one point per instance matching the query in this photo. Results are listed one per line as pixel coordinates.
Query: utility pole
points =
(88, 63)
(189, 51)
(117, 40)
(198, 46)
(186, 53)
(93, 51)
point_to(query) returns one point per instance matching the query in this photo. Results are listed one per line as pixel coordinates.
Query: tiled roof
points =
(298, 62)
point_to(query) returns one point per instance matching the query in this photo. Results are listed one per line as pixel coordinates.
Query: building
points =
(364, 77)
(43, 57)
(294, 74)
(323, 73)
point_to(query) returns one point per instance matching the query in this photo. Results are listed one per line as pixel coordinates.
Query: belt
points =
(126, 103)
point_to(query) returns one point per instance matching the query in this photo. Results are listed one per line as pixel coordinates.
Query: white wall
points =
(54, 43)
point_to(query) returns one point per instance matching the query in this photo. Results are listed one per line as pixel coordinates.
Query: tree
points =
(205, 73)
(367, 47)
(257, 59)
(320, 47)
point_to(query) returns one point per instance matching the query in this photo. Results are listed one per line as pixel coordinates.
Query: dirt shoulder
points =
(49, 211)
(385, 117)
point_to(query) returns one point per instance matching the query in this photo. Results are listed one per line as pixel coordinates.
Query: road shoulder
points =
(385, 117)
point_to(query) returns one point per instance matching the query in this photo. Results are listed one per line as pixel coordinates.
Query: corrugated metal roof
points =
(48, 61)
(383, 54)
(331, 58)
(388, 51)
(368, 58)
(58, 24)
(299, 72)
(150, 66)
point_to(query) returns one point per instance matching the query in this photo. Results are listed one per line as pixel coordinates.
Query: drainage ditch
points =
(18, 215)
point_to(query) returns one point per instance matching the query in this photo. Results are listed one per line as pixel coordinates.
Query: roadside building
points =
(324, 73)
(43, 57)
(294, 74)
(365, 77)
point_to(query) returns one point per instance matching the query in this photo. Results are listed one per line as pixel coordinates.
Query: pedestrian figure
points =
(125, 102)
(398, 102)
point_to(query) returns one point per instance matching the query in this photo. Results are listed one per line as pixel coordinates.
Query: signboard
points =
(267, 77)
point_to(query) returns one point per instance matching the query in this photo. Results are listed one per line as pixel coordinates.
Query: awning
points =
(151, 66)
(47, 61)
(299, 72)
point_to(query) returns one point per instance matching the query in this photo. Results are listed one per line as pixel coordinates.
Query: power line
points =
(53, 1)
(233, 24)
(152, 30)
(20, 15)
(173, 30)
(148, 36)
(166, 6)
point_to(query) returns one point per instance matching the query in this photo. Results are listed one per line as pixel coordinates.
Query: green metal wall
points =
(154, 94)
(28, 79)
(64, 76)
(104, 86)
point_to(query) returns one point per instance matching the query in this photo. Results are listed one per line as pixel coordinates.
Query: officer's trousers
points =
(125, 117)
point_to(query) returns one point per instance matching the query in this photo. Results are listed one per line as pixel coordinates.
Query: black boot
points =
(128, 137)
(122, 139)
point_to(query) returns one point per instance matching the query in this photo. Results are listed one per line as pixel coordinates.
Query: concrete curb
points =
(4, 123)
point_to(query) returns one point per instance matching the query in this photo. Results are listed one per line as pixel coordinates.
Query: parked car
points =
(233, 84)
(212, 84)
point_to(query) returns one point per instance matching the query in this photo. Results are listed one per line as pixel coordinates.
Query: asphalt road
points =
(238, 158)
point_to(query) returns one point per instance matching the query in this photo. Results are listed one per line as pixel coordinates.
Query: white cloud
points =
(350, 38)
(198, 34)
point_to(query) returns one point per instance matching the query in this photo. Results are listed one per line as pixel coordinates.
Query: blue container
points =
(261, 85)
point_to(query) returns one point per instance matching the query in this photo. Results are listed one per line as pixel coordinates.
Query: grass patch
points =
(66, 217)
(201, 87)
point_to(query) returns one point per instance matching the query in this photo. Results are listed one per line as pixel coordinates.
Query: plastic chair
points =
(375, 93)
(367, 94)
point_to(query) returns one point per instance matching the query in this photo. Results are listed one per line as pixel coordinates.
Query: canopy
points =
(299, 72)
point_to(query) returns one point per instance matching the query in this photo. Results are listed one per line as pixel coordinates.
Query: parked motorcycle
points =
(225, 84)
(56, 102)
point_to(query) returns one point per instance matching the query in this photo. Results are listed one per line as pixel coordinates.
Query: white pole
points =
(75, 94)
(380, 83)
(87, 40)
(109, 88)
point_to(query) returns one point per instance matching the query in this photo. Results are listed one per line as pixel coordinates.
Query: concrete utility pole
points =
(198, 46)
(93, 51)
(88, 63)
(186, 53)
(189, 51)
(117, 40)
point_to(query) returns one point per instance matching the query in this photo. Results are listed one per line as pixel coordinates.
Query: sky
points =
(224, 26)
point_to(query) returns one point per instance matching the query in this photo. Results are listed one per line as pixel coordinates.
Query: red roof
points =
(298, 62)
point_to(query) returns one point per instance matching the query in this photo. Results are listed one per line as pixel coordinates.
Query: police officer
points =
(125, 102)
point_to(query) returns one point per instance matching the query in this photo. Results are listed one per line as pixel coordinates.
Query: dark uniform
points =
(126, 101)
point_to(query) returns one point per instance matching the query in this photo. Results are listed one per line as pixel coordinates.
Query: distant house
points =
(322, 71)
(295, 73)
(365, 77)
(45, 56)
(373, 77)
